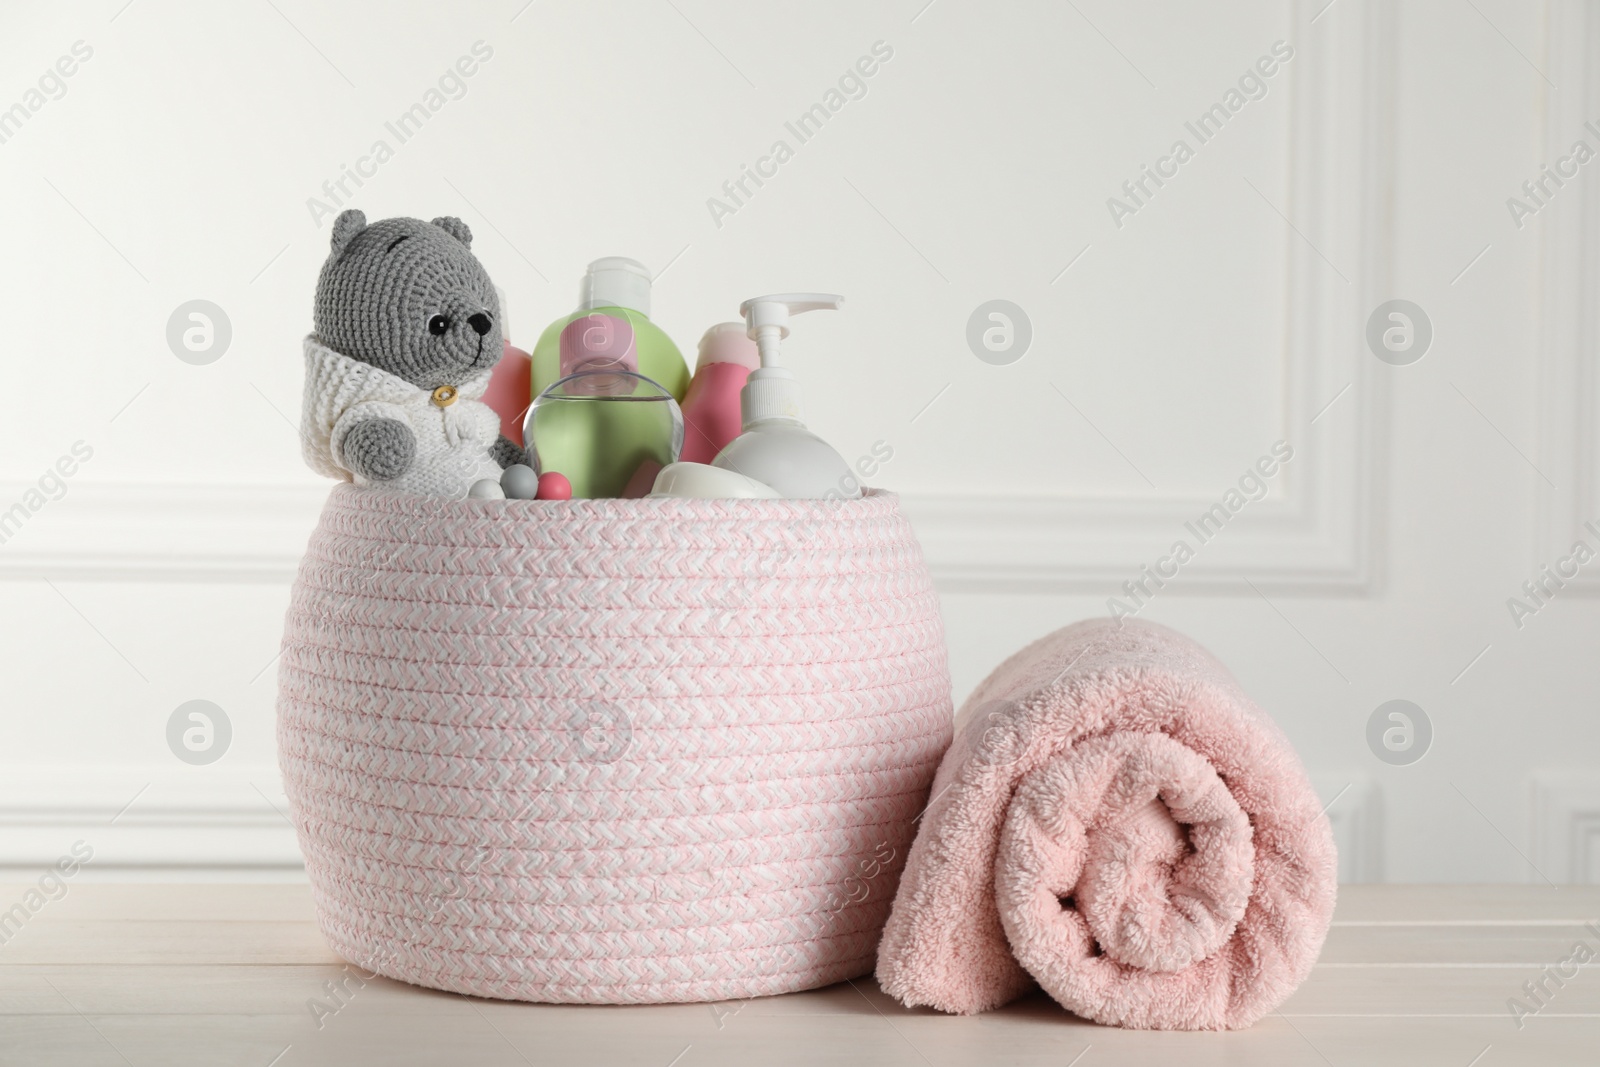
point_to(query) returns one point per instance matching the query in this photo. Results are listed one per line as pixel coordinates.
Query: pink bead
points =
(553, 485)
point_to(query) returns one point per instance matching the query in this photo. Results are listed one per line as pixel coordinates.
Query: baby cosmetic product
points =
(609, 433)
(606, 427)
(618, 287)
(775, 447)
(711, 416)
(510, 390)
(700, 481)
(510, 383)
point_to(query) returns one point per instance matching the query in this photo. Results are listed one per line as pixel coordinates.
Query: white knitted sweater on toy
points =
(453, 440)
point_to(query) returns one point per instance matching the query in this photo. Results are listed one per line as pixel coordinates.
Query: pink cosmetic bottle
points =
(510, 388)
(711, 415)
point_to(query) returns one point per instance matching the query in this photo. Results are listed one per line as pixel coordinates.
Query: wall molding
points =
(227, 533)
(235, 820)
(1320, 536)
(1324, 535)
(1566, 827)
(1355, 808)
(1569, 313)
(175, 532)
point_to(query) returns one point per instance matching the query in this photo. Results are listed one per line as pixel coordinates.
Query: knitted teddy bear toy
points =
(407, 331)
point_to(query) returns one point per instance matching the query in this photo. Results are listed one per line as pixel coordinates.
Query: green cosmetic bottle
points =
(619, 287)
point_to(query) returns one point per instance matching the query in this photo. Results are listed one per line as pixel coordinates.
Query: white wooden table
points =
(171, 975)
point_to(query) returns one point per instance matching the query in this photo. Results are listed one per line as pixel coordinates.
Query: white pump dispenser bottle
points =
(775, 447)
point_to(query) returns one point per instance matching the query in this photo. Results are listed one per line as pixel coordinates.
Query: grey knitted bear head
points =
(410, 298)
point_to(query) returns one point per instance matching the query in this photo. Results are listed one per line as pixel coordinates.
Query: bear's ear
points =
(455, 228)
(345, 227)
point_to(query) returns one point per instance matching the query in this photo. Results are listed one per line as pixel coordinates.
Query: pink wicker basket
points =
(610, 751)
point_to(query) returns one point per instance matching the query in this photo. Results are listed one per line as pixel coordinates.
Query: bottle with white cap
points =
(711, 409)
(775, 447)
(614, 297)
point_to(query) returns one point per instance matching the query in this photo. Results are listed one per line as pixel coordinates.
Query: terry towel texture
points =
(1119, 823)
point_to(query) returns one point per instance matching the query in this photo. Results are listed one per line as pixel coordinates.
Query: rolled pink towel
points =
(1119, 823)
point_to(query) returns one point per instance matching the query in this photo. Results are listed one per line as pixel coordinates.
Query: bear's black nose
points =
(480, 323)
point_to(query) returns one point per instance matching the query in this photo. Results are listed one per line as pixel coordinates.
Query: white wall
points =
(1168, 353)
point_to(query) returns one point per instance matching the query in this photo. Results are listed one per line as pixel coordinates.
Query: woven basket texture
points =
(610, 751)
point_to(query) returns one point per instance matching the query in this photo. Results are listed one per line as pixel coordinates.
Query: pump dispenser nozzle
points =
(772, 391)
(775, 448)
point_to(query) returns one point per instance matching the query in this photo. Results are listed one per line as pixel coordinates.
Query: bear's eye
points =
(438, 325)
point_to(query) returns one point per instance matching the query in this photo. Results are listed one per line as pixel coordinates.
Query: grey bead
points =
(519, 482)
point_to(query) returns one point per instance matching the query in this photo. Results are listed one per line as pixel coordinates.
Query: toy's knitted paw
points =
(507, 453)
(380, 449)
